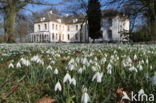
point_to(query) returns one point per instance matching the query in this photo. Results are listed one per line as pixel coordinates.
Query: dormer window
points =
(75, 20)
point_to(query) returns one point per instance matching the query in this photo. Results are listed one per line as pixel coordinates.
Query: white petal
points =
(66, 78)
(58, 87)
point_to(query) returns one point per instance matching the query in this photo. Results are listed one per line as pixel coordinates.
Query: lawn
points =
(71, 73)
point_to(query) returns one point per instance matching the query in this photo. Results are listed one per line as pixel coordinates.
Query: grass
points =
(28, 83)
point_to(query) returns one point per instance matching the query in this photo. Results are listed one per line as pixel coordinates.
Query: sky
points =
(33, 8)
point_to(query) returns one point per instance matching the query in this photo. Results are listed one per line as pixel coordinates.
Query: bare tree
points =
(10, 8)
(133, 8)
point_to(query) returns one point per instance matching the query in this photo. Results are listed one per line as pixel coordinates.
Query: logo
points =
(142, 97)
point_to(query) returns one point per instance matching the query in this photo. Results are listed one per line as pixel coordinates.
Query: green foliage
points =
(143, 35)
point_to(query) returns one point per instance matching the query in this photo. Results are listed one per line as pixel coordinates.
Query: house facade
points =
(55, 28)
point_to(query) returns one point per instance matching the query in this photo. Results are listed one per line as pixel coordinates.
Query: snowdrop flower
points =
(70, 67)
(84, 61)
(18, 65)
(109, 69)
(73, 81)
(52, 62)
(125, 96)
(153, 79)
(147, 61)
(56, 71)
(25, 62)
(94, 68)
(140, 67)
(85, 97)
(133, 69)
(71, 61)
(141, 92)
(129, 60)
(66, 78)
(135, 57)
(103, 60)
(11, 65)
(58, 87)
(80, 71)
(49, 67)
(98, 76)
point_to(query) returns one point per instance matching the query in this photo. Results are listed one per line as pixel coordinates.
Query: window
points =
(76, 36)
(56, 26)
(53, 36)
(77, 27)
(53, 26)
(62, 36)
(109, 34)
(110, 21)
(59, 27)
(68, 28)
(68, 36)
(39, 27)
(45, 25)
(56, 36)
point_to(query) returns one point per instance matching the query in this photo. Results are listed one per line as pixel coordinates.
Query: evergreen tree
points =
(94, 19)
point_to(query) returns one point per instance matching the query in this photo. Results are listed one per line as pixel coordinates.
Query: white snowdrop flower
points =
(129, 60)
(98, 76)
(84, 67)
(66, 78)
(35, 58)
(49, 67)
(71, 61)
(26, 63)
(85, 97)
(95, 59)
(135, 57)
(103, 60)
(52, 62)
(73, 81)
(141, 92)
(70, 67)
(56, 71)
(142, 62)
(109, 69)
(133, 69)
(151, 67)
(140, 67)
(94, 68)
(125, 96)
(153, 79)
(80, 71)
(18, 65)
(58, 87)
(84, 61)
(11, 65)
(147, 61)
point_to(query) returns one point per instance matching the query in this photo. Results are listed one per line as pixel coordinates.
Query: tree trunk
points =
(9, 25)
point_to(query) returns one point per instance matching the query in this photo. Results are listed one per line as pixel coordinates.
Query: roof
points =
(72, 19)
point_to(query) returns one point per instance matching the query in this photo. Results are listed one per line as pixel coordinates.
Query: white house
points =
(55, 28)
